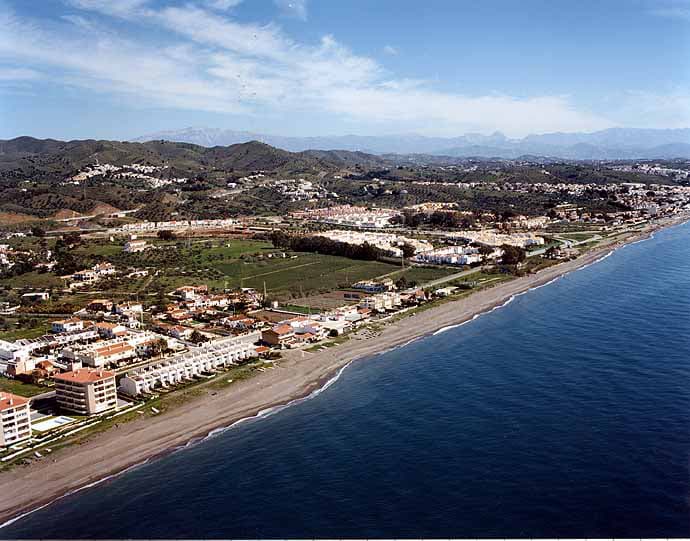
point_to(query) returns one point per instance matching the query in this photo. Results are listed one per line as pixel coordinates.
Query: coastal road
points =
(455, 276)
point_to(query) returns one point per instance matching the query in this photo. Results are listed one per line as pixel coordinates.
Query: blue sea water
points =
(565, 413)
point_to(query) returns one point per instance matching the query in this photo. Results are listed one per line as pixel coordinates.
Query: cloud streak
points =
(209, 61)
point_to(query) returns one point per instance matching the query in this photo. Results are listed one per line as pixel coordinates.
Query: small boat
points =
(38, 455)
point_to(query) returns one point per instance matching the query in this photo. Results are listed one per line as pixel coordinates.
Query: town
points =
(108, 316)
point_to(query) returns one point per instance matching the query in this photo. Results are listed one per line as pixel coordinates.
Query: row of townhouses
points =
(190, 364)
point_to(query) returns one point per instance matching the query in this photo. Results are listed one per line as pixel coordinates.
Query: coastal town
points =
(301, 269)
(152, 309)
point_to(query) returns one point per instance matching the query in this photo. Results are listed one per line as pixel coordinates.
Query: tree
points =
(38, 232)
(197, 338)
(166, 234)
(407, 250)
(512, 255)
(485, 250)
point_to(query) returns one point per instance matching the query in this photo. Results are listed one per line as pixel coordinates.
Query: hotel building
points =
(15, 419)
(86, 391)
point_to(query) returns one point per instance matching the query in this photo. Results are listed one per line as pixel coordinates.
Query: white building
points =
(86, 391)
(192, 363)
(67, 325)
(15, 419)
(133, 246)
(450, 255)
(388, 242)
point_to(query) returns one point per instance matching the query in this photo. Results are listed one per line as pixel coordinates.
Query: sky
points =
(118, 69)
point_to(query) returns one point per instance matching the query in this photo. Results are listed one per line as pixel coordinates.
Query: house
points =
(151, 346)
(180, 332)
(189, 365)
(189, 293)
(100, 305)
(38, 296)
(240, 322)
(46, 366)
(279, 336)
(104, 269)
(111, 330)
(84, 276)
(336, 327)
(67, 325)
(445, 291)
(133, 246)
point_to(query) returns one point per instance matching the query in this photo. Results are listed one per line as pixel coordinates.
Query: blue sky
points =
(122, 68)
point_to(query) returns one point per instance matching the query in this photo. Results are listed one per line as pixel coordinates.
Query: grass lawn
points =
(422, 275)
(310, 272)
(18, 331)
(232, 249)
(99, 249)
(300, 309)
(577, 237)
(35, 280)
(22, 389)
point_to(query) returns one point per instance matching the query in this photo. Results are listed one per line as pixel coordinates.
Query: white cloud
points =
(293, 8)
(389, 49)
(18, 74)
(670, 109)
(223, 4)
(211, 62)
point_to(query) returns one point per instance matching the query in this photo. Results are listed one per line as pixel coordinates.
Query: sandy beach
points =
(26, 487)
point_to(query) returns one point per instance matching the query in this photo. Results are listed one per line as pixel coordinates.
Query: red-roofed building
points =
(15, 420)
(280, 336)
(86, 391)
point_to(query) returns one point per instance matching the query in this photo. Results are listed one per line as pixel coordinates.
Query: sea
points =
(565, 413)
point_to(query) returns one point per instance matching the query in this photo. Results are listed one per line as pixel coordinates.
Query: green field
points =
(305, 273)
(22, 389)
(422, 275)
(224, 263)
(34, 280)
(31, 327)
(577, 236)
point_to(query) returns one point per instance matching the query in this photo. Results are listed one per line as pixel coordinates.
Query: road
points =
(455, 276)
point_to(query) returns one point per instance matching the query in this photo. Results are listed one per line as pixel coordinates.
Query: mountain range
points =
(26, 157)
(609, 144)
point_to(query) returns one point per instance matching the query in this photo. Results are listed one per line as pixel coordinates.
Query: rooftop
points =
(85, 375)
(8, 401)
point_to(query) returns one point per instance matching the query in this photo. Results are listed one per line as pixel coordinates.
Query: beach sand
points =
(26, 487)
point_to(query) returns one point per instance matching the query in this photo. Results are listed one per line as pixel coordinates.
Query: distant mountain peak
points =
(612, 143)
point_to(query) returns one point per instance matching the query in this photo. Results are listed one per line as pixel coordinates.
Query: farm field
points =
(294, 277)
(220, 264)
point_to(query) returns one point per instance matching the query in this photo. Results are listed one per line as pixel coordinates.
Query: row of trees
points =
(439, 218)
(323, 245)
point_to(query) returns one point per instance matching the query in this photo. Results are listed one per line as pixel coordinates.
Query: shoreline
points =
(300, 376)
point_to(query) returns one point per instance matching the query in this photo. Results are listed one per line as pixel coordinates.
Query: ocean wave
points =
(74, 491)
(194, 441)
(262, 414)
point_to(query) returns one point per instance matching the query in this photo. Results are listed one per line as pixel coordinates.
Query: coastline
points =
(300, 376)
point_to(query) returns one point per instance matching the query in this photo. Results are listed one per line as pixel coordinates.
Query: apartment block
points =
(86, 391)
(15, 419)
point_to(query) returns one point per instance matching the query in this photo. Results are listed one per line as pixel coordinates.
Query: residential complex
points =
(86, 391)
(350, 216)
(456, 255)
(387, 242)
(188, 365)
(493, 238)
